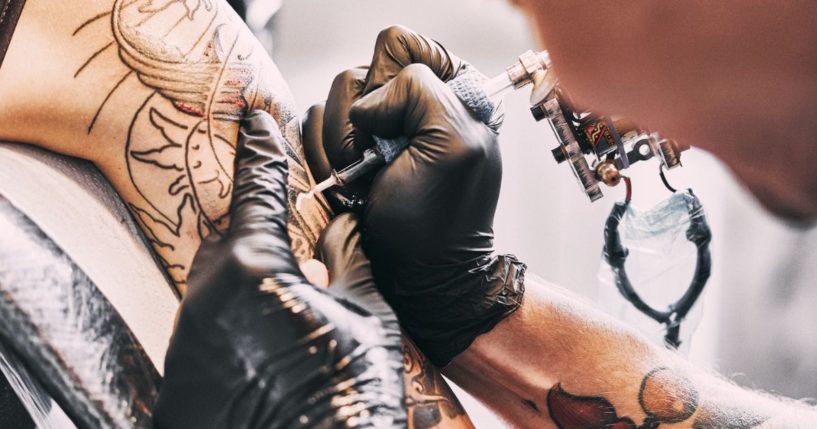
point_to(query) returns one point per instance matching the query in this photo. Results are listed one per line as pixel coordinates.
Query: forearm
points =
(562, 359)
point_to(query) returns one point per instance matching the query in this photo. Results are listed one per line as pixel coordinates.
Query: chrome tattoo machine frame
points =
(611, 144)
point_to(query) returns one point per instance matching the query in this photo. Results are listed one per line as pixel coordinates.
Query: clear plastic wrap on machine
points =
(666, 254)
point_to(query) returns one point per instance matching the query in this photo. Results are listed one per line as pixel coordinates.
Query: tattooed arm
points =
(151, 92)
(557, 362)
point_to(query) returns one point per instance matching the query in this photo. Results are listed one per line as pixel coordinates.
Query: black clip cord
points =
(616, 253)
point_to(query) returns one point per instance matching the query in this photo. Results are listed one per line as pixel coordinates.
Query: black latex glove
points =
(256, 345)
(429, 218)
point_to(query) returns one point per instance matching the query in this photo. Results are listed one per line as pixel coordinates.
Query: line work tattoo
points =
(107, 97)
(205, 72)
(91, 58)
(90, 21)
(665, 397)
(197, 72)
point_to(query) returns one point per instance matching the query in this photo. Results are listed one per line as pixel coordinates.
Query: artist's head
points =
(736, 78)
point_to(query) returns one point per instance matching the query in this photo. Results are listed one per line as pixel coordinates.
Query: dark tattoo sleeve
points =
(201, 71)
(665, 397)
(429, 400)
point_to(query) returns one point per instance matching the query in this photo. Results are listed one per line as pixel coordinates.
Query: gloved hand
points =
(256, 345)
(429, 217)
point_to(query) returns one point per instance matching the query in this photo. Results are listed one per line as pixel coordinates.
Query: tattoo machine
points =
(612, 144)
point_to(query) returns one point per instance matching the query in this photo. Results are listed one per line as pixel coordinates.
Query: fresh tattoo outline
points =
(204, 75)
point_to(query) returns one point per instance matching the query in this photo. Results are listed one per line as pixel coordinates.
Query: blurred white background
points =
(759, 320)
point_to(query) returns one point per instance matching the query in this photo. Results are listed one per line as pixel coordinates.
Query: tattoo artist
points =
(428, 229)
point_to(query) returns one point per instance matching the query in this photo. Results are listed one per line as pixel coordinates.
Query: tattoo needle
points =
(320, 187)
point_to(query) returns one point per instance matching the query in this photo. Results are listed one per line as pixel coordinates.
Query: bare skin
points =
(738, 79)
(559, 363)
(151, 92)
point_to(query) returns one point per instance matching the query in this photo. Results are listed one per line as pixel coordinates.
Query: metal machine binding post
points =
(611, 144)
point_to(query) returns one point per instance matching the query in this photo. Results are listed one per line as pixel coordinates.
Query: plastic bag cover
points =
(660, 264)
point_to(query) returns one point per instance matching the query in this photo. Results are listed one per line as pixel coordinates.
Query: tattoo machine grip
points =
(467, 86)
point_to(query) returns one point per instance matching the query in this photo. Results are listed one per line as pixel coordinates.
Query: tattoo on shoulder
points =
(666, 397)
(201, 72)
(429, 399)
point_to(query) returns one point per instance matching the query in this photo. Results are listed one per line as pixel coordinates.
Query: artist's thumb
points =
(259, 211)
